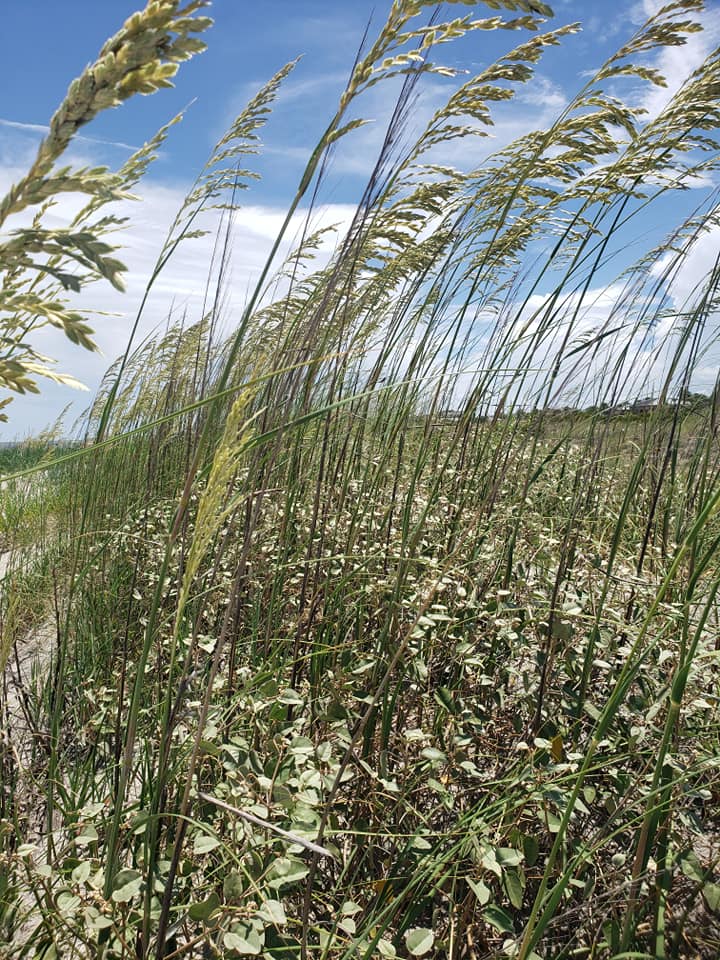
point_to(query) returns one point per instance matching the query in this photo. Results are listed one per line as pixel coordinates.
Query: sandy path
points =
(29, 658)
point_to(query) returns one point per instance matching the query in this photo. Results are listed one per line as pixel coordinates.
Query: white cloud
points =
(701, 256)
(544, 92)
(612, 343)
(677, 63)
(180, 287)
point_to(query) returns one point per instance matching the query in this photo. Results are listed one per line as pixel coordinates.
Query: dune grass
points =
(380, 627)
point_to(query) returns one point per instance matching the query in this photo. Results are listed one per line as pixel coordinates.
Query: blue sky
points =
(52, 42)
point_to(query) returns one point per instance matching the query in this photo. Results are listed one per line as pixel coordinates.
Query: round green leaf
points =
(245, 940)
(126, 885)
(419, 941)
(273, 911)
(205, 909)
(386, 949)
(204, 843)
(286, 870)
(233, 885)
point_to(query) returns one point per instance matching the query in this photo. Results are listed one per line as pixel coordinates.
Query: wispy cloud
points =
(43, 129)
(296, 154)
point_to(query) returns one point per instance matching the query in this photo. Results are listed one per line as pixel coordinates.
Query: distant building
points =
(644, 405)
(618, 410)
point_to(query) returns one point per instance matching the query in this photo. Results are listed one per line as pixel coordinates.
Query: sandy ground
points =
(30, 656)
